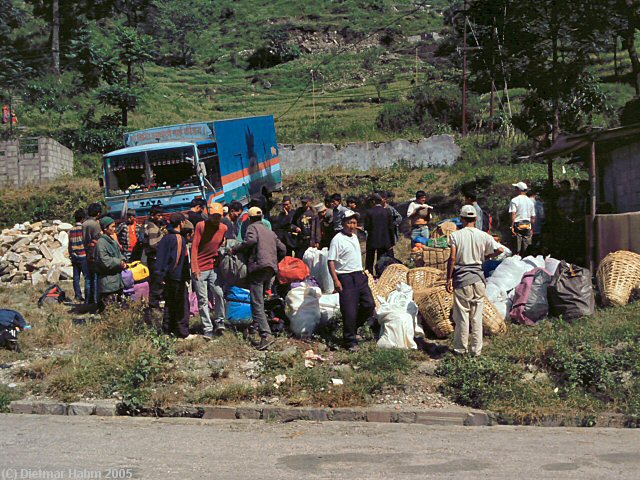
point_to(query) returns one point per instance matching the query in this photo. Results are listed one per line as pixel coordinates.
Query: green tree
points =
(179, 24)
(132, 50)
(542, 45)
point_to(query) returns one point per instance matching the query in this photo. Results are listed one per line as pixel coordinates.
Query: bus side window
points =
(208, 154)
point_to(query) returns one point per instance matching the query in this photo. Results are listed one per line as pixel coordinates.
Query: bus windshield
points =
(150, 170)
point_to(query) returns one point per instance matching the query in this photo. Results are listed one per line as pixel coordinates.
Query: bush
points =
(396, 117)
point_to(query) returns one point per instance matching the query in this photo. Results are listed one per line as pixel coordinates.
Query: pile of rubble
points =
(35, 253)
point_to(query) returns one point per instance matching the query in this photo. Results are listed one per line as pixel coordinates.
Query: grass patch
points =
(576, 368)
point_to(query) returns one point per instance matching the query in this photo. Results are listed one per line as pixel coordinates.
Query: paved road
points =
(34, 446)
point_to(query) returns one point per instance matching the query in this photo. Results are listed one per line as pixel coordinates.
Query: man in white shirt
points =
(523, 218)
(469, 248)
(345, 264)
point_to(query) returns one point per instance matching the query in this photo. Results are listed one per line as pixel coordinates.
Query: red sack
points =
(292, 270)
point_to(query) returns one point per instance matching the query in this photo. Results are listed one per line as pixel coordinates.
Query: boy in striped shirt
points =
(78, 256)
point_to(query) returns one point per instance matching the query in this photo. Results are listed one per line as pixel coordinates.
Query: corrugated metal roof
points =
(566, 144)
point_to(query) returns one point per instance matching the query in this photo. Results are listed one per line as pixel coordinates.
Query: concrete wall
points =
(49, 161)
(439, 150)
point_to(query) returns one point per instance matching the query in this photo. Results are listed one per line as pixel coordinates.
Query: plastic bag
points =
(317, 262)
(292, 270)
(530, 303)
(536, 262)
(509, 273)
(239, 307)
(398, 319)
(551, 265)
(232, 270)
(307, 316)
(570, 293)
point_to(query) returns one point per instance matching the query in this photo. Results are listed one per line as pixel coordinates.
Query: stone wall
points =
(439, 150)
(33, 161)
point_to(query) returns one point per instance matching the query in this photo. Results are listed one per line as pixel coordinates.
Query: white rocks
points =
(35, 253)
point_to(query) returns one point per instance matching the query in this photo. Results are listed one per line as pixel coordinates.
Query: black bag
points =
(53, 294)
(570, 292)
(383, 262)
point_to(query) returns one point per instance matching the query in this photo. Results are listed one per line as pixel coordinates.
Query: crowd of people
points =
(182, 251)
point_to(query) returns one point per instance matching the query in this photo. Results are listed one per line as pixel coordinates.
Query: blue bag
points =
(239, 307)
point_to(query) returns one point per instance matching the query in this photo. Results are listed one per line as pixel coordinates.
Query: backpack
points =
(11, 322)
(53, 294)
(530, 304)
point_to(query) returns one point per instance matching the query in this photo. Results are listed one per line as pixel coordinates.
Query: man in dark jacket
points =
(110, 263)
(378, 224)
(172, 264)
(303, 219)
(264, 250)
(284, 226)
(153, 232)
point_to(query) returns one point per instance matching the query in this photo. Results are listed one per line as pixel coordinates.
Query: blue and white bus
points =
(170, 166)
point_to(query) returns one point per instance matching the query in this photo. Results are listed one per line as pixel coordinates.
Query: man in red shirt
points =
(208, 238)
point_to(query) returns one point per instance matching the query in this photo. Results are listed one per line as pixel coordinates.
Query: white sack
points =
(509, 273)
(398, 318)
(307, 316)
(319, 267)
(551, 265)
(536, 262)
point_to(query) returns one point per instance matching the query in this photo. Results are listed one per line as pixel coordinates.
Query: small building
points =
(29, 161)
(613, 158)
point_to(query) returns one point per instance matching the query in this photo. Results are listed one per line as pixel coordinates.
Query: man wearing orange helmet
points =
(208, 238)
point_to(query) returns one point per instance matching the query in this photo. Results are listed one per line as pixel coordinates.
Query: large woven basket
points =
(424, 277)
(492, 322)
(374, 288)
(445, 229)
(392, 276)
(436, 258)
(435, 306)
(618, 275)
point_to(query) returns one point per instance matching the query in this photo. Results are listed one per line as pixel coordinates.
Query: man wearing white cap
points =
(523, 218)
(345, 264)
(469, 248)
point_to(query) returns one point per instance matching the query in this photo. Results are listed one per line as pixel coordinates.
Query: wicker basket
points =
(392, 276)
(374, 288)
(435, 306)
(618, 275)
(424, 277)
(492, 321)
(447, 228)
(436, 258)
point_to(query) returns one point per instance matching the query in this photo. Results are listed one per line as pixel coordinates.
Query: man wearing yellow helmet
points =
(208, 238)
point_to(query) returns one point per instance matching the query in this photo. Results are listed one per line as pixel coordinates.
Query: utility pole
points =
(464, 74)
(416, 81)
(493, 98)
(313, 95)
